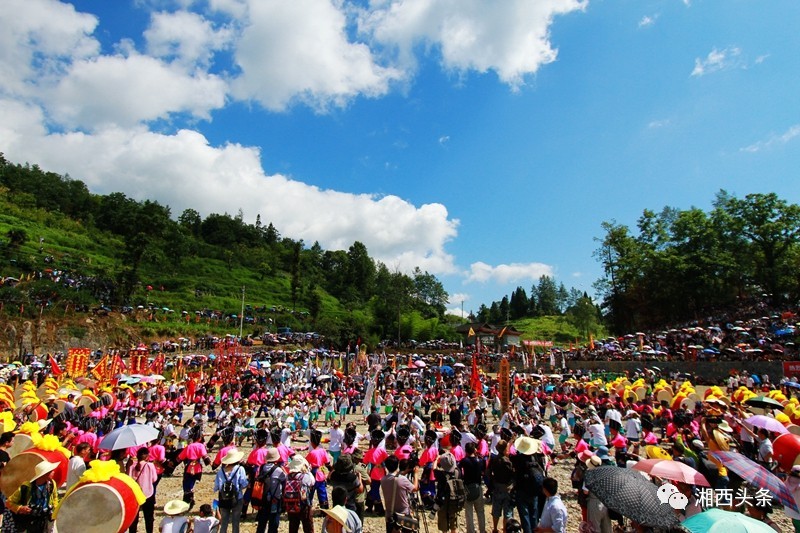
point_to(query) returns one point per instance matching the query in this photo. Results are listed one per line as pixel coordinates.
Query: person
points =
(376, 456)
(336, 439)
(193, 456)
(175, 521)
(77, 463)
(344, 475)
(34, 501)
(339, 519)
(397, 490)
(299, 481)
(501, 479)
(793, 485)
(232, 475)
(274, 479)
(318, 459)
(144, 474)
(426, 461)
(447, 515)
(361, 470)
(206, 522)
(597, 515)
(528, 476)
(472, 468)
(554, 514)
(760, 510)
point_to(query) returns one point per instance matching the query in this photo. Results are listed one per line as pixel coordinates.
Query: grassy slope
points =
(82, 249)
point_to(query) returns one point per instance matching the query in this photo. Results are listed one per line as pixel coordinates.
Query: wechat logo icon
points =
(669, 494)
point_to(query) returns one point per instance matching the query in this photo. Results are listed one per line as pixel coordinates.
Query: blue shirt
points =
(554, 515)
(237, 475)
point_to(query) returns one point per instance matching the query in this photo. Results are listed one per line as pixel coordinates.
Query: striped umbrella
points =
(756, 475)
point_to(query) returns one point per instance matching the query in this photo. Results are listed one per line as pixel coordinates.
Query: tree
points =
(360, 273)
(518, 304)
(772, 227)
(546, 296)
(430, 294)
(314, 302)
(585, 316)
(191, 221)
(16, 238)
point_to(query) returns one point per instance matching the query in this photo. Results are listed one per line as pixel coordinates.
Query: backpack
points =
(228, 493)
(273, 487)
(295, 497)
(531, 477)
(457, 493)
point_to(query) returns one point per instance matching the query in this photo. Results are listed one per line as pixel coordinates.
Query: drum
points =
(21, 469)
(102, 507)
(20, 443)
(108, 400)
(85, 402)
(33, 412)
(786, 450)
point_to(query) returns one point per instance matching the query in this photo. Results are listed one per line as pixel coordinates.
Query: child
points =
(206, 520)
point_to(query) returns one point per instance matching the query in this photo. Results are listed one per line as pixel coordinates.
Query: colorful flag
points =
(471, 332)
(77, 361)
(54, 368)
(99, 371)
(591, 341)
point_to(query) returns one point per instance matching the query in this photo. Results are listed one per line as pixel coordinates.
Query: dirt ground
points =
(170, 488)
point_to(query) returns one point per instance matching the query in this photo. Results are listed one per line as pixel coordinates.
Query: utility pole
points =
(241, 317)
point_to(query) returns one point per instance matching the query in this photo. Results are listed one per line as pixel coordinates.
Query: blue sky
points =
(483, 141)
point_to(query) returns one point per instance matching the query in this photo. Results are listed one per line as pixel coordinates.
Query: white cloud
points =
(647, 21)
(187, 37)
(300, 50)
(656, 124)
(716, 60)
(43, 31)
(183, 170)
(444, 139)
(482, 272)
(774, 140)
(458, 297)
(577, 274)
(122, 91)
(511, 38)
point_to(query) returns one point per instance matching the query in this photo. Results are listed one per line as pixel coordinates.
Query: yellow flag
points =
(471, 332)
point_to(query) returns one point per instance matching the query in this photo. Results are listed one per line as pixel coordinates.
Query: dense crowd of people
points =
(293, 437)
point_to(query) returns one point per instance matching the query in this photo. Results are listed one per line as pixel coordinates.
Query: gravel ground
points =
(170, 488)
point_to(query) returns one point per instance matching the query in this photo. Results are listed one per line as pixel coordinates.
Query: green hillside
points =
(66, 253)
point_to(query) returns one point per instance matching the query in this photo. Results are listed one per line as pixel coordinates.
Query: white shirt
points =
(75, 469)
(336, 439)
(204, 525)
(173, 524)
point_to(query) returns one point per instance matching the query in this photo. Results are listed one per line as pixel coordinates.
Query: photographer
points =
(33, 503)
(397, 489)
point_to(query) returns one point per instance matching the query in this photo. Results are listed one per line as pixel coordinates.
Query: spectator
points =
(472, 468)
(554, 514)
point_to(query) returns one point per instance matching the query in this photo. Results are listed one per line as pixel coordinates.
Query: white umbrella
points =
(128, 437)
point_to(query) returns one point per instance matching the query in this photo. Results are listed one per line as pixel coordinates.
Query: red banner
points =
(791, 369)
(77, 361)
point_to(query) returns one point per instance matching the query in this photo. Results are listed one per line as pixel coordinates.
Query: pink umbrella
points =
(766, 422)
(419, 363)
(672, 470)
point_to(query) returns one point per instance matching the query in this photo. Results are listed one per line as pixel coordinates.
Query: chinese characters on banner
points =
(77, 361)
(503, 377)
(138, 361)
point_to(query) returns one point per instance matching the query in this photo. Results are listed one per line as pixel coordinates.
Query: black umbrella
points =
(631, 495)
